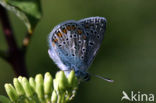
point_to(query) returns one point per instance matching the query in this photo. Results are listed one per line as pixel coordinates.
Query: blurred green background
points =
(127, 54)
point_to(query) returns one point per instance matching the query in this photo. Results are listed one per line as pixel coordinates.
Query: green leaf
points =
(4, 99)
(29, 11)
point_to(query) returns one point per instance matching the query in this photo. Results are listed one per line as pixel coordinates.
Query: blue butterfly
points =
(74, 44)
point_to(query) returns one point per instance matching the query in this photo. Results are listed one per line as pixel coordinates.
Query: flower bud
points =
(18, 87)
(32, 83)
(20, 79)
(56, 87)
(54, 97)
(27, 88)
(11, 92)
(62, 81)
(72, 79)
(48, 84)
(39, 86)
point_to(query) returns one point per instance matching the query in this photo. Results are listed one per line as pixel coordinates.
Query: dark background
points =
(127, 54)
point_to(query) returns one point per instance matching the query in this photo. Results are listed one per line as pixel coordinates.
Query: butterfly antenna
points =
(106, 79)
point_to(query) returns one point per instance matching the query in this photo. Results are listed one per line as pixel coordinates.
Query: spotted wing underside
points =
(74, 44)
(95, 28)
(68, 45)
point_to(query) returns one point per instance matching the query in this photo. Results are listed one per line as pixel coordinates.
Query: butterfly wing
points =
(73, 44)
(67, 45)
(95, 28)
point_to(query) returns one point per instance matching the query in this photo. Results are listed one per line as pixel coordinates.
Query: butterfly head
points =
(85, 77)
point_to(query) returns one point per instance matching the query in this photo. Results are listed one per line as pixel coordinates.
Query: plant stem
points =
(15, 56)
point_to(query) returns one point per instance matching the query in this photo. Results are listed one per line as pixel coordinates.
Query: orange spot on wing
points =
(55, 40)
(53, 44)
(73, 27)
(59, 34)
(79, 31)
(64, 31)
(68, 27)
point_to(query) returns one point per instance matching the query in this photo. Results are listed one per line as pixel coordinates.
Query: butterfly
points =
(74, 44)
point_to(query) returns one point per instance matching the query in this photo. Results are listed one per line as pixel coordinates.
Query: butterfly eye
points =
(73, 54)
(98, 36)
(87, 77)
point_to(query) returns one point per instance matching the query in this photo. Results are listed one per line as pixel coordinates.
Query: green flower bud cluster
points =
(42, 90)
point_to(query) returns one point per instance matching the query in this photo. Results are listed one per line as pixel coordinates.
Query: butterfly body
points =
(74, 44)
